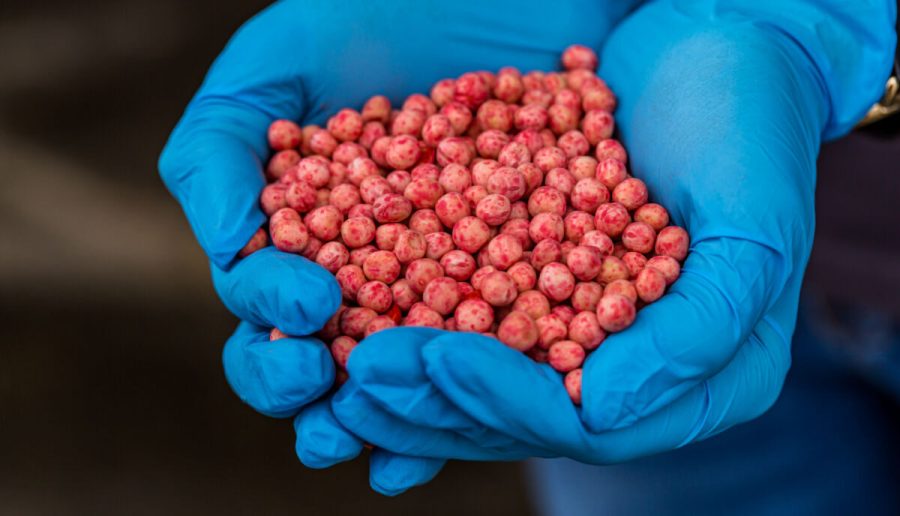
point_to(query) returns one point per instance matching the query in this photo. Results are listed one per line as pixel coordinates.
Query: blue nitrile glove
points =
(723, 106)
(303, 61)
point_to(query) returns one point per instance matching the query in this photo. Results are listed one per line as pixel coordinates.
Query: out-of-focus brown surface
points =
(112, 399)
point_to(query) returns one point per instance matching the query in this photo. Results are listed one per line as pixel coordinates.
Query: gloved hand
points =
(723, 105)
(302, 61)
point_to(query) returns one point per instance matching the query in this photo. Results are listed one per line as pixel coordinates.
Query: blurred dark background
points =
(112, 399)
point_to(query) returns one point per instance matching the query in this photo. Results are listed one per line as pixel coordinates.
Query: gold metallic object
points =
(889, 103)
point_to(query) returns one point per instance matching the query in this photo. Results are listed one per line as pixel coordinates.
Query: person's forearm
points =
(851, 44)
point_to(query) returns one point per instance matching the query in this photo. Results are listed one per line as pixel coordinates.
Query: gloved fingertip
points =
(392, 474)
(304, 295)
(276, 289)
(277, 378)
(321, 440)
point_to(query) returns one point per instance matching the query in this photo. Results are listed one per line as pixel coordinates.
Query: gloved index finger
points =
(212, 163)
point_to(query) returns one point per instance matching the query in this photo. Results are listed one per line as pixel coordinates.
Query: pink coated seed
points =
(442, 295)
(588, 194)
(424, 317)
(572, 382)
(372, 187)
(597, 125)
(408, 122)
(518, 331)
(585, 330)
(546, 251)
(377, 108)
(460, 116)
(652, 214)
(425, 221)
(519, 229)
(357, 231)
(404, 295)
(546, 226)
(503, 251)
(611, 172)
(332, 256)
(565, 355)
(382, 266)
(631, 193)
(523, 275)
(382, 322)
(546, 199)
(584, 262)
(548, 158)
(256, 242)
(341, 348)
(611, 218)
(582, 167)
(423, 193)
(474, 315)
(634, 261)
(386, 236)
(586, 296)
(560, 179)
(450, 208)
(402, 152)
(470, 234)
(442, 92)
(273, 198)
(346, 125)
(281, 162)
(639, 237)
(507, 181)
(556, 281)
(354, 321)
(667, 265)
(612, 269)
(624, 288)
(578, 224)
(551, 328)
(498, 289)
(324, 222)
(420, 272)
(573, 143)
(343, 196)
(375, 295)
(288, 232)
(458, 265)
(673, 241)
(615, 312)
(579, 57)
(410, 246)
(494, 209)
(533, 303)
(438, 244)
(455, 178)
(284, 134)
(650, 284)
